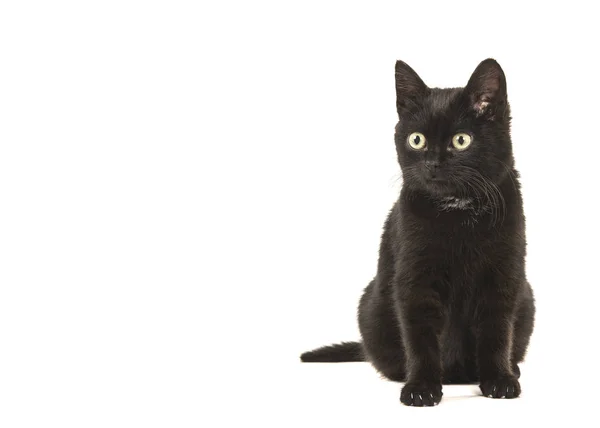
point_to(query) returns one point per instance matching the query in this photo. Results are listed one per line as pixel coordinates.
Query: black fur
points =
(338, 353)
(450, 302)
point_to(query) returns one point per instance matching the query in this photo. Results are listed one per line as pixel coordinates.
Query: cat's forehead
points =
(441, 102)
(439, 111)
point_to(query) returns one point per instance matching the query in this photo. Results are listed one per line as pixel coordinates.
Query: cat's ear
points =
(409, 86)
(487, 89)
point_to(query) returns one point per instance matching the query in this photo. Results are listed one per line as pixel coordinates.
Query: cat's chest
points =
(457, 244)
(457, 234)
(447, 222)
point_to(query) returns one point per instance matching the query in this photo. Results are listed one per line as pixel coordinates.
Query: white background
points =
(192, 193)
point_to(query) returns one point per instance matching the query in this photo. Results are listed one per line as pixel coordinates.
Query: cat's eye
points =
(461, 141)
(416, 140)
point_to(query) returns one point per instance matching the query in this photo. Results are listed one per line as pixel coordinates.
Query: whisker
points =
(490, 191)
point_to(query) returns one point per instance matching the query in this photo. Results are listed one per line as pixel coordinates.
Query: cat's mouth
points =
(436, 176)
(439, 185)
(437, 181)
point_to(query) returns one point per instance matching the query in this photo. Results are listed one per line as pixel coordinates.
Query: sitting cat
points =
(450, 302)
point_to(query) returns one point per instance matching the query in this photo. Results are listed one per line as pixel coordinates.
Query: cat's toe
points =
(502, 387)
(421, 394)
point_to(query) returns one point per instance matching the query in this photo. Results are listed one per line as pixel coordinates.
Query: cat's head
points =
(450, 142)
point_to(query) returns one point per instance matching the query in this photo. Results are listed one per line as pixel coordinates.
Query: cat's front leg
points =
(421, 318)
(494, 341)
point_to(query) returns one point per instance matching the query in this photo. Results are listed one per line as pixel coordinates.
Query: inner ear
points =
(409, 86)
(487, 88)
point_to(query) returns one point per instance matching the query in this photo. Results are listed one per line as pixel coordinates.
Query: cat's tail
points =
(338, 353)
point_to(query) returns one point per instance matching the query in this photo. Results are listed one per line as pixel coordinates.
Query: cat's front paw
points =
(421, 394)
(501, 387)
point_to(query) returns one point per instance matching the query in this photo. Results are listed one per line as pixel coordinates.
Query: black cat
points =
(450, 302)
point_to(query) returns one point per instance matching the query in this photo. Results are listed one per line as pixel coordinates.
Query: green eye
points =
(461, 141)
(416, 140)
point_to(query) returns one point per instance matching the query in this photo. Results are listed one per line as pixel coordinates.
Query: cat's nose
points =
(432, 165)
(433, 168)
